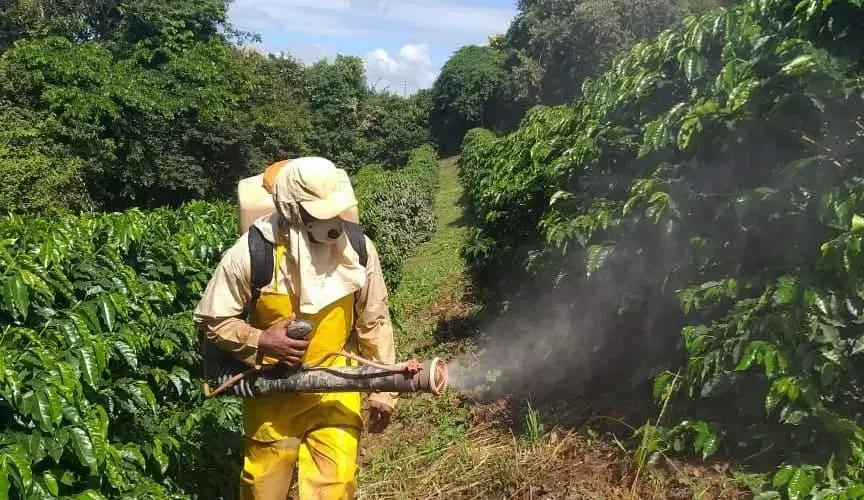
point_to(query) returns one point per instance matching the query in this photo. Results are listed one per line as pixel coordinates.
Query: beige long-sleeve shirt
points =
(220, 313)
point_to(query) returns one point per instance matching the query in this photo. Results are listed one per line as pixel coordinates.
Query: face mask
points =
(325, 231)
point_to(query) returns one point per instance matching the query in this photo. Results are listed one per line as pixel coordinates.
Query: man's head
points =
(313, 194)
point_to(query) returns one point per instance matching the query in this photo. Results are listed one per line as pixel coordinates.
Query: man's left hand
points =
(379, 416)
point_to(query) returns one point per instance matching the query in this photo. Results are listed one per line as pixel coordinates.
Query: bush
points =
(38, 174)
(154, 104)
(710, 179)
(99, 385)
(509, 181)
(422, 168)
(396, 207)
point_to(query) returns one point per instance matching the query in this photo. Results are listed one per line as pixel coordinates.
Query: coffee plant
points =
(713, 180)
(98, 356)
(396, 207)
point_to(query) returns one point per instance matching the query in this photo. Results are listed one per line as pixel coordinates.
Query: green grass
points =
(434, 278)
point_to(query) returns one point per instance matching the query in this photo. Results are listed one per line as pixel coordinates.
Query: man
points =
(318, 275)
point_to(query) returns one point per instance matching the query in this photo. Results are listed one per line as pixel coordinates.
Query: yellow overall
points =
(317, 432)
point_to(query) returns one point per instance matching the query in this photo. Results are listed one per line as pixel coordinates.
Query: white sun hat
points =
(322, 189)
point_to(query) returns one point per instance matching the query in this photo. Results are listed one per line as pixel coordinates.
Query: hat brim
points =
(328, 208)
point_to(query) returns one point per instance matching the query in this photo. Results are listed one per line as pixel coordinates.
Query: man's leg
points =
(268, 469)
(327, 464)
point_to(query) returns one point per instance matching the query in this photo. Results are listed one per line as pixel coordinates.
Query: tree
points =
(466, 94)
(150, 99)
(337, 92)
(394, 125)
(567, 41)
(38, 175)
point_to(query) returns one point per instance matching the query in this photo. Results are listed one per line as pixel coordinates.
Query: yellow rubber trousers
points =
(317, 433)
(325, 459)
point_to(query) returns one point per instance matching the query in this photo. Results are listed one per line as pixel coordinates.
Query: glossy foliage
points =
(99, 393)
(718, 166)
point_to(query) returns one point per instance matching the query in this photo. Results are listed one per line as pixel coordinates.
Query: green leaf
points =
(782, 476)
(54, 448)
(106, 311)
(16, 296)
(858, 348)
(4, 479)
(786, 290)
(83, 448)
(88, 366)
(707, 441)
(69, 375)
(768, 495)
(126, 352)
(67, 478)
(755, 352)
(857, 224)
(597, 255)
(89, 495)
(55, 404)
(70, 332)
(51, 483)
(662, 384)
(800, 484)
(97, 429)
(159, 455)
(799, 65)
(142, 391)
(41, 411)
(15, 456)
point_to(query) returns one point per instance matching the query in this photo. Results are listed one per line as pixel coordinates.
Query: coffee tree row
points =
(98, 351)
(712, 180)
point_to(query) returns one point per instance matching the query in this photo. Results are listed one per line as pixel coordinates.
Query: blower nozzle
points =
(429, 376)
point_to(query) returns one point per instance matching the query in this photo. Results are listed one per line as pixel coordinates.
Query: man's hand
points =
(276, 342)
(379, 416)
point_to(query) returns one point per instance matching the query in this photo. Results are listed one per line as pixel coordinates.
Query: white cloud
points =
(409, 70)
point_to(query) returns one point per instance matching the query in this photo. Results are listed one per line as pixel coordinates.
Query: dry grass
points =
(488, 460)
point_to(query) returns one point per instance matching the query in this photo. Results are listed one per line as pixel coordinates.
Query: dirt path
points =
(448, 448)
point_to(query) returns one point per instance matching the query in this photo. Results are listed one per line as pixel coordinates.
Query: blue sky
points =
(402, 42)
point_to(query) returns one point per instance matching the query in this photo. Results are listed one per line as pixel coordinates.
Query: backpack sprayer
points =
(230, 377)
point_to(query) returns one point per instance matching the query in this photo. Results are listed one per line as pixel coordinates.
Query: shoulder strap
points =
(261, 261)
(358, 240)
(261, 257)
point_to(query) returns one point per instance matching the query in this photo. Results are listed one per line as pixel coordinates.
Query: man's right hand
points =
(276, 342)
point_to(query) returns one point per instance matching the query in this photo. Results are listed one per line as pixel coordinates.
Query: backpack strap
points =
(261, 260)
(358, 240)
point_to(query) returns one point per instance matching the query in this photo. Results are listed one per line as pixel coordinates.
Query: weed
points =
(533, 426)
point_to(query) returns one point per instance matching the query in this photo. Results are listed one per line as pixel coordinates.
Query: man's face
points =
(327, 231)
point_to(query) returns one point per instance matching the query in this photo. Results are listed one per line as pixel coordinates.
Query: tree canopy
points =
(465, 94)
(114, 104)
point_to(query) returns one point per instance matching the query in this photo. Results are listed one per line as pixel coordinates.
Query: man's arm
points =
(220, 315)
(220, 312)
(373, 325)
